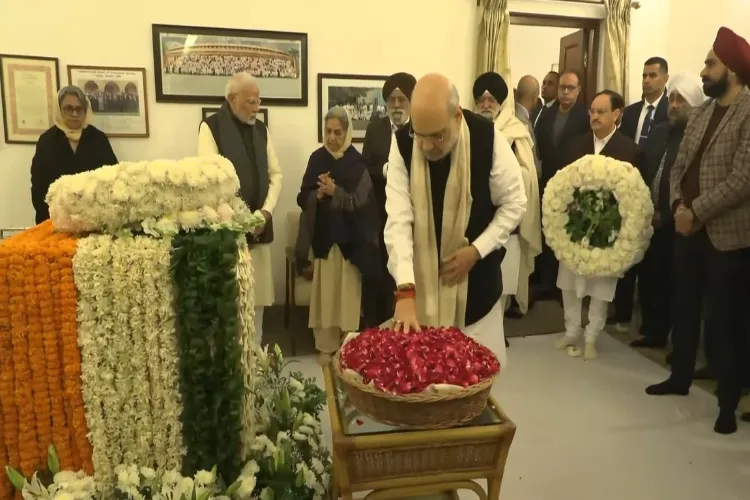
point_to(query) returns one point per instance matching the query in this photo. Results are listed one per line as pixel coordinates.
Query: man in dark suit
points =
(549, 95)
(564, 120)
(656, 274)
(638, 120)
(397, 95)
(604, 139)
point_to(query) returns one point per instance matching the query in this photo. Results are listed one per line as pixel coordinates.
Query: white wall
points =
(693, 26)
(649, 34)
(418, 36)
(533, 50)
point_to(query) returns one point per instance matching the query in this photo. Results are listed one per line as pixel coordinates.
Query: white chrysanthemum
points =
(193, 193)
(599, 173)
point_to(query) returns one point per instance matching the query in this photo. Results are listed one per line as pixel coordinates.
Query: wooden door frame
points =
(591, 78)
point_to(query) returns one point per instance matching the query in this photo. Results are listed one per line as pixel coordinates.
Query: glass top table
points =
(355, 423)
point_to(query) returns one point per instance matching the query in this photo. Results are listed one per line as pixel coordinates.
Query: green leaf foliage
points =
(211, 382)
(594, 218)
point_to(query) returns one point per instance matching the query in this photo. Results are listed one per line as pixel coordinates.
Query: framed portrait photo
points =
(193, 64)
(262, 114)
(360, 95)
(118, 98)
(28, 87)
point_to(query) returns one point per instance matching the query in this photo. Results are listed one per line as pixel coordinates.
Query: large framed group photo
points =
(118, 98)
(360, 95)
(192, 64)
(28, 88)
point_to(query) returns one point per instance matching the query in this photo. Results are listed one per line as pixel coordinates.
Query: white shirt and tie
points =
(647, 117)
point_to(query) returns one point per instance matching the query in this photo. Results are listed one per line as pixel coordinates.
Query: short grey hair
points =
(339, 114)
(239, 81)
(453, 100)
(74, 91)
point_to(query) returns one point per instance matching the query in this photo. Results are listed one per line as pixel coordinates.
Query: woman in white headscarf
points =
(656, 276)
(71, 146)
(343, 219)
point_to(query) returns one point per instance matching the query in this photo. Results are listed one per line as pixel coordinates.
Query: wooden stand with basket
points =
(399, 462)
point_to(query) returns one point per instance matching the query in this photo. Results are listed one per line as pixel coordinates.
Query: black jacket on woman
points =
(54, 158)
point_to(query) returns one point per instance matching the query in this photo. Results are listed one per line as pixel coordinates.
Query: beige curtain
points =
(492, 45)
(617, 46)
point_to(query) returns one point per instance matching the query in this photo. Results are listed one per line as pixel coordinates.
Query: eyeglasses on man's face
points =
(431, 138)
(565, 89)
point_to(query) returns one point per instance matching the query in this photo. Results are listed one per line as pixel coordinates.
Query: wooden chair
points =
(298, 289)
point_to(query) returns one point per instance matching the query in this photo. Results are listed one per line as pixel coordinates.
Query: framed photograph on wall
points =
(360, 95)
(118, 98)
(28, 87)
(193, 64)
(262, 114)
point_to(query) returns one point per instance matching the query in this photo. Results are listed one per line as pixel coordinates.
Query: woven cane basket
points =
(422, 410)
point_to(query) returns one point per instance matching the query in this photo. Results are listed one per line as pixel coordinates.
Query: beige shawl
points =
(530, 230)
(437, 303)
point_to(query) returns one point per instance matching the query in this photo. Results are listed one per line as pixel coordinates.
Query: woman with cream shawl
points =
(71, 146)
(337, 199)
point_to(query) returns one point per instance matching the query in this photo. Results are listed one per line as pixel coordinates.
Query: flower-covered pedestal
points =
(127, 337)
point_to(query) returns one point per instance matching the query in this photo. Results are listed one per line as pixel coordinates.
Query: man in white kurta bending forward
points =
(454, 194)
(236, 134)
(606, 140)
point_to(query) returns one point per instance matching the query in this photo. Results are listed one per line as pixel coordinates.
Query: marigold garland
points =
(39, 384)
(8, 414)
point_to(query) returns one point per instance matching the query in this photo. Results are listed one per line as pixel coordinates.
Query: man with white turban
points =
(656, 280)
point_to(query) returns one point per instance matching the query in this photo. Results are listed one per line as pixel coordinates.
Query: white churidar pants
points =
(574, 288)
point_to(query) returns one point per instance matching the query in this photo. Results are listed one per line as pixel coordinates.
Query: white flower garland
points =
(129, 352)
(596, 173)
(159, 198)
(246, 313)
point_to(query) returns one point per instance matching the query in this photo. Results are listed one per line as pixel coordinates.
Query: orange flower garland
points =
(40, 363)
(8, 414)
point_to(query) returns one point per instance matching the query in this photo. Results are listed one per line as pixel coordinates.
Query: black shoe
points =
(649, 342)
(668, 359)
(507, 344)
(745, 417)
(667, 387)
(726, 423)
(513, 312)
(704, 374)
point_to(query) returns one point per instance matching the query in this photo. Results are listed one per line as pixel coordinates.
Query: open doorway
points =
(575, 40)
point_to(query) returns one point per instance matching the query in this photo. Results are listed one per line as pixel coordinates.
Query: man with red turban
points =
(710, 196)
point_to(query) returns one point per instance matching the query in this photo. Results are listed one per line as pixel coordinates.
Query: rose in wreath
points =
(596, 216)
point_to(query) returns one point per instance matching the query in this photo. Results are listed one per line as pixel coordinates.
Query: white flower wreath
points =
(580, 200)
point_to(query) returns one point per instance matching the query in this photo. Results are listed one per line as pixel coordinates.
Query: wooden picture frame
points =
(262, 114)
(118, 97)
(28, 92)
(180, 54)
(360, 95)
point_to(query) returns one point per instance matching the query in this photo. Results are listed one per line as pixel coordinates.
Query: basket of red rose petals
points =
(435, 378)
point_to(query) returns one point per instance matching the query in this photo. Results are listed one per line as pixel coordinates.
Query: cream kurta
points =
(259, 254)
(594, 287)
(336, 300)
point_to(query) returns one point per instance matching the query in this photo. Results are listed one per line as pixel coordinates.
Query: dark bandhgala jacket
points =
(54, 158)
(663, 142)
(619, 147)
(485, 281)
(375, 151)
(255, 139)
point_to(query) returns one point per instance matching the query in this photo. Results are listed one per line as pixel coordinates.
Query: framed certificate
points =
(117, 96)
(29, 86)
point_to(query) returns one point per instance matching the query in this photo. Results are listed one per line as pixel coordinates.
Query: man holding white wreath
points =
(606, 140)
